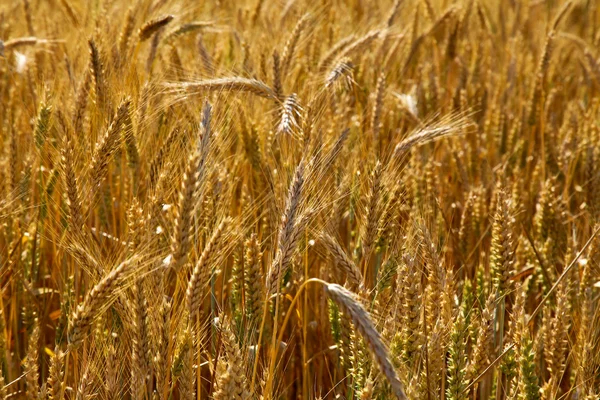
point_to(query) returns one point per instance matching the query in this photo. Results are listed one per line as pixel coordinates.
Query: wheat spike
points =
(55, 378)
(253, 86)
(288, 231)
(151, 27)
(108, 144)
(344, 261)
(292, 42)
(190, 186)
(31, 364)
(363, 324)
(202, 270)
(96, 299)
(232, 382)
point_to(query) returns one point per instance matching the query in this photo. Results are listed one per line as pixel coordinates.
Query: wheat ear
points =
(192, 179)
(55, 377)
(31, 364)
(254, 285)
(361, 320)
(201, 270)
(76, 219)
(343, 260)
(292, 42)
(287, 229)
(153, 26)
(108, 144)
(85, 385)
(232, 383)
(253, 86)
(422, 136)
(97, 73)
(95, 301)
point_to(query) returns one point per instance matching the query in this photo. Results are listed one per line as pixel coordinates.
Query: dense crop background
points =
(299, 199)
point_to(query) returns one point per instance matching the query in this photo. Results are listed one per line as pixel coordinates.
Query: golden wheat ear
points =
(253, 86)
(350, 306)
(343, 261)
(153, 26)
(102, 295)
(231, 380)
(201, 272)
(32, 363)
(288, 231)
(108, 145)
(193, 178)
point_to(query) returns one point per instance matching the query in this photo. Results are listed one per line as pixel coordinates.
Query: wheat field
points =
(300, 199)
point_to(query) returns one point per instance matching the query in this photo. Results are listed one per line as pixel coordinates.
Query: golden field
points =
(299, 199)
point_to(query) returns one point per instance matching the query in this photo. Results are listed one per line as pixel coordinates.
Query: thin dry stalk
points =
(16, 43)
